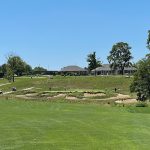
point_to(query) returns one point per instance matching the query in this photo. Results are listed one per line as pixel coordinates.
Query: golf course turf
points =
(45, 124)
(38, 125)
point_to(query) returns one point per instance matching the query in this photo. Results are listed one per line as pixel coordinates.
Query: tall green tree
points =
(9, 74)
(93, 62)
(39, 70)
(120, 56)
(148, 40)
(16, 64)
(28, 69)
(141, 81)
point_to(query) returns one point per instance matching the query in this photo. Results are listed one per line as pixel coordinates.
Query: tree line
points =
(119, 58)
(15, 65)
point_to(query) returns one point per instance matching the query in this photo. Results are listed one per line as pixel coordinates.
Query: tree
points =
(9, 74)
(4, 68)
(16, 64)
(93, 62)
(28, 69)
(39, 70)
(141, 81)
(120, 56)
(148, 40)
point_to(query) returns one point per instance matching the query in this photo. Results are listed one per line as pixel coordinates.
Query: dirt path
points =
(4, 84)
(9, 92)
(5, 93)
(26, 89)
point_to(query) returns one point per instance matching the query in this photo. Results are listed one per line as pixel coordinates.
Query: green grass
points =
(60, 124)
(3, 81)
(90, 82)
(34, 125)
(59, 83)
(22, 83)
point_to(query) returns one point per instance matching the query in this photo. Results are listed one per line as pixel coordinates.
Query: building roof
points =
(130, 68)
(106, 67)
(72, 68)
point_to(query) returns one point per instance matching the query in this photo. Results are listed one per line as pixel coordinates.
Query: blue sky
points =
(57, 33)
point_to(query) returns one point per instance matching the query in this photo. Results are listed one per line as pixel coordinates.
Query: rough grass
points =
(43, 125)
(59, 83)
(22, 83)
(99, 82)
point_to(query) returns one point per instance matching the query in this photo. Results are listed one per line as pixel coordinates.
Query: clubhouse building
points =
(105, 69)
(73, 70)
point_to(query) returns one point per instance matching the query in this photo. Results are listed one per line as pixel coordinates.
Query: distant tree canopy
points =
(93, 62)
(3, 68)
(39, 70)
(120, 56)
(15, 65)
(28, 69)
(148, 40)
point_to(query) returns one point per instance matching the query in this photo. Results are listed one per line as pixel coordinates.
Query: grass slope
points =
(90, 82)
(30, 125)
(60, 83)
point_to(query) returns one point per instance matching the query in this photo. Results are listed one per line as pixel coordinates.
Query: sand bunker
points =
(60, 95)
(121, 96)
(93, 95)
(56, 96)
(24, 97)
(127, 101)
(71, 98)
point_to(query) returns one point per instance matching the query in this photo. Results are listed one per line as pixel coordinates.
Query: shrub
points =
(141, 82)
(142, 105)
